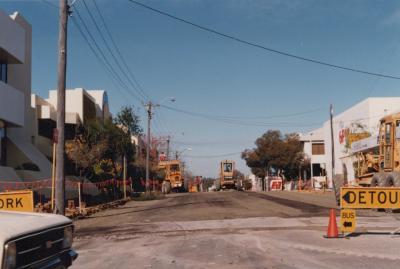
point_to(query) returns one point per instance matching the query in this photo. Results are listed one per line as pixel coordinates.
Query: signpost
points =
(347, 220)
(363, 198)
(17, 201)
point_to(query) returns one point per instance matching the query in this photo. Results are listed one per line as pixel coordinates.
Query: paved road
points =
(232, 230)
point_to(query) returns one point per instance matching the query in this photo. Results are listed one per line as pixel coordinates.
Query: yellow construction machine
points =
(379, 164)
(173, 177)
(227, 180)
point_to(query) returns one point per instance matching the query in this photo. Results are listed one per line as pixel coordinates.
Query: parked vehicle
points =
(32, 240)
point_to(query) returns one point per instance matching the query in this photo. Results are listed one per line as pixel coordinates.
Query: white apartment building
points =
(81, 106)
(19, 158)
(314, 151)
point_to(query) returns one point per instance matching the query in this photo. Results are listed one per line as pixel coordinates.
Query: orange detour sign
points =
(347, 220)
(359, 198)
(17, 201)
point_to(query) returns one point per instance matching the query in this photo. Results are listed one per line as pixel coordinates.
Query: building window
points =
(2, 143)
(318, 149)
(3, 72)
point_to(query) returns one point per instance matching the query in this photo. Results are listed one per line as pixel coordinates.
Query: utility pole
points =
(168, 140)
(61, 83)
(149, 106)
(125, 172)
(332, 146)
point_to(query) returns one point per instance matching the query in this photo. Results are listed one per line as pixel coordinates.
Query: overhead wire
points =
(117, 49)
(238, 122)
(101, 53)
(259, 46)
(97, 56)
(213, 156)
(126, 76)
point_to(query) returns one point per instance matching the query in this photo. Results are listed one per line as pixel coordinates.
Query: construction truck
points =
(227, 180)
(172, 176)
(377, 164)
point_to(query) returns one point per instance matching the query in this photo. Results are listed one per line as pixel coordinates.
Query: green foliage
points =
(98, 148)
(274, 151)
(129, 120)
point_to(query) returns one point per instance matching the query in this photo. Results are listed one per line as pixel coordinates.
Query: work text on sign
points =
(17, 201)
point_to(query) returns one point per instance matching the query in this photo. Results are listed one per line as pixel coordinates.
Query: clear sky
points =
(211, 75)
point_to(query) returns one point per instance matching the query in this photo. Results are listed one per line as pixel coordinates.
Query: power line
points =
(113, 72)
(111, 52)
(238, 122)
(95, 53)
(252, 44)
(117, 49)
(213, 156)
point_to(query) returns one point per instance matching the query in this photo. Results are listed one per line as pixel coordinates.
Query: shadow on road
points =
(152, 208)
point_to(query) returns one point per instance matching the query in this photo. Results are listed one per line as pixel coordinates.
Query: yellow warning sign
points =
(347, 220)
(17, 201)
(372, 197)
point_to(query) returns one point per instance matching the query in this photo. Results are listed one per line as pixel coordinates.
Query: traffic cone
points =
(332, 226)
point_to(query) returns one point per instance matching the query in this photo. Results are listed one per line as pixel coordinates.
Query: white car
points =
(32, 240)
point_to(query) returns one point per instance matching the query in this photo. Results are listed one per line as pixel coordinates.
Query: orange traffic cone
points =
(332, 226)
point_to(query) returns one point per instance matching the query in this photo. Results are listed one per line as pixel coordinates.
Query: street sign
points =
(374, 197)
(55, 136)
(17, 201)
(276, 184)
(347, 220)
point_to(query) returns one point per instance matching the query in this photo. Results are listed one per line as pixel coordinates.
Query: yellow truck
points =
(377, 165)
(173, 177)
(227, 180)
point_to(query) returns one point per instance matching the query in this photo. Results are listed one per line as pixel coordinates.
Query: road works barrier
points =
(17, 201)
(352, 198)
(332, 231)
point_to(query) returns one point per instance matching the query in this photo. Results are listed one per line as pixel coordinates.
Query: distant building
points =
(314, 151)
(81, 106)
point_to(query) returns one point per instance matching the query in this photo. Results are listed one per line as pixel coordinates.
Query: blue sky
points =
(212, 75)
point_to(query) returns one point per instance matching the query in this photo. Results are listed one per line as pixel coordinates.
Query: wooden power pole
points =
(61, 83)
(332, 145)
(149, 115)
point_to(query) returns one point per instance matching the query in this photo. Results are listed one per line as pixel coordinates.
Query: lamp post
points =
(178, 153)
(311, 163)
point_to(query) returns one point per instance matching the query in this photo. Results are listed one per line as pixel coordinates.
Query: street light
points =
(178, 153)
(149, 108)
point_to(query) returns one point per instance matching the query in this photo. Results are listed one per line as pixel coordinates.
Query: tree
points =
(98, 148)
(129, 120)
(237, 174)
(275, 153)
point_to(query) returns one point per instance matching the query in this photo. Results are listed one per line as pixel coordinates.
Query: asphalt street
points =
(233, 230)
